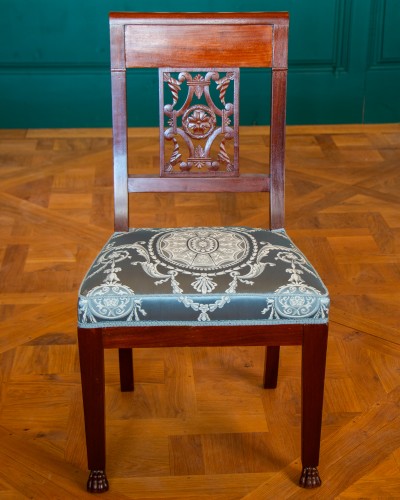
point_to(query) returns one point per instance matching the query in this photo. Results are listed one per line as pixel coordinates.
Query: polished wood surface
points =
(153, 46)
(157, 40)
(199, 421)
(199, 40)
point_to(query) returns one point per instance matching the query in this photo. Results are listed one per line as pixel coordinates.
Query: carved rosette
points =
(200, 128)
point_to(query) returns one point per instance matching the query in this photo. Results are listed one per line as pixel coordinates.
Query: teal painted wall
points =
(344, 58)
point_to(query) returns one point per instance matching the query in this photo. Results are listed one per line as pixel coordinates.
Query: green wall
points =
(54, 62)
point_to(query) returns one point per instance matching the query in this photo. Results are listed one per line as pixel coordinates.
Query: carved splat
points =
(199, 123)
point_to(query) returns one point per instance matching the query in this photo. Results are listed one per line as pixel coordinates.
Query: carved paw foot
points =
(310, 478)
(97, 482)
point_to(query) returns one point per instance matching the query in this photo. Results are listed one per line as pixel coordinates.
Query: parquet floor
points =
(199, 425)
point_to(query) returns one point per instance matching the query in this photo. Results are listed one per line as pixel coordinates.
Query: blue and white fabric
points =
(202, 275)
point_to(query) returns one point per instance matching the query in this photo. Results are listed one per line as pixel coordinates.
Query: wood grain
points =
(243, 42)
(199, 424)
(208, 41)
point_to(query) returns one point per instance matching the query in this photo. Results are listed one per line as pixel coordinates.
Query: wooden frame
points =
(136, 42)
(145, 40)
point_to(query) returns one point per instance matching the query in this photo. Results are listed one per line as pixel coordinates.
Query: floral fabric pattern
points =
(199, 276)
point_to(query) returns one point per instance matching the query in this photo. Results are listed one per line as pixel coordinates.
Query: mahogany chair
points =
(200, 286)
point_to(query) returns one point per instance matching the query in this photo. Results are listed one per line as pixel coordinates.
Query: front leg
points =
(310, 478)
(312, 393)
(91, 358)
(97, 482)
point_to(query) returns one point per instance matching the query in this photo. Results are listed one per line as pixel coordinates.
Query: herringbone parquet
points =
(199, 425)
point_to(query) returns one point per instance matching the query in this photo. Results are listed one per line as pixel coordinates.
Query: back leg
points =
(126, 369)
(271, 366)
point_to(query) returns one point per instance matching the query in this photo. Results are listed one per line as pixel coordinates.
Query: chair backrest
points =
(201, 53)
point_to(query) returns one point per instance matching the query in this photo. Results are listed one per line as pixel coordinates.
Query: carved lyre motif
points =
(199, 128)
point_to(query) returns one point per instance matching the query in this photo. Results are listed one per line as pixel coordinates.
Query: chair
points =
(200, 286)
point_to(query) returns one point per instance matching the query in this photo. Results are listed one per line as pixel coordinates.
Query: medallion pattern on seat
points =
(184, 276)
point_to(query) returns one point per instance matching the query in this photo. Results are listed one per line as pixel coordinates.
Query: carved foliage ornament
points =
(200, 129)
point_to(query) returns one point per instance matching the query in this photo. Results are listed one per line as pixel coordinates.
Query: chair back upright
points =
(203, 52)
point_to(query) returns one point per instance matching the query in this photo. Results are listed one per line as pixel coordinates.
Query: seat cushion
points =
(202, 275)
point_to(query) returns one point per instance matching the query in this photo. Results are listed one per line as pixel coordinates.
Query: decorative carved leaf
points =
(199, 89)
(223, 84)
(174, 86)
(199, 152)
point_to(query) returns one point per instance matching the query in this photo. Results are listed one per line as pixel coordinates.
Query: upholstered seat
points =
(221, 275)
